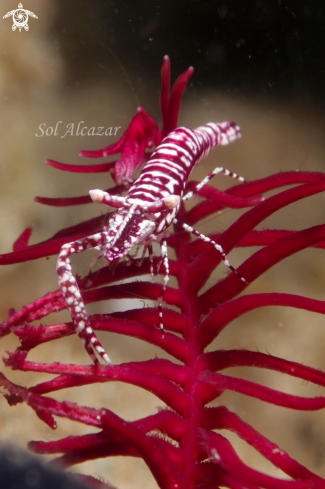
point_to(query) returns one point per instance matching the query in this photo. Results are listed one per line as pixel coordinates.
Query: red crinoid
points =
(182, 444)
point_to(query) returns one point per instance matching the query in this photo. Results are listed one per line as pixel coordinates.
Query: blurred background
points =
(258, 62)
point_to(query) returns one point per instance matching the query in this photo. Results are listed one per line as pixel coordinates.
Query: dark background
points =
(269, 48)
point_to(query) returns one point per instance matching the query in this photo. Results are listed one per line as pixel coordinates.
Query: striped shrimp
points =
(143, 214)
